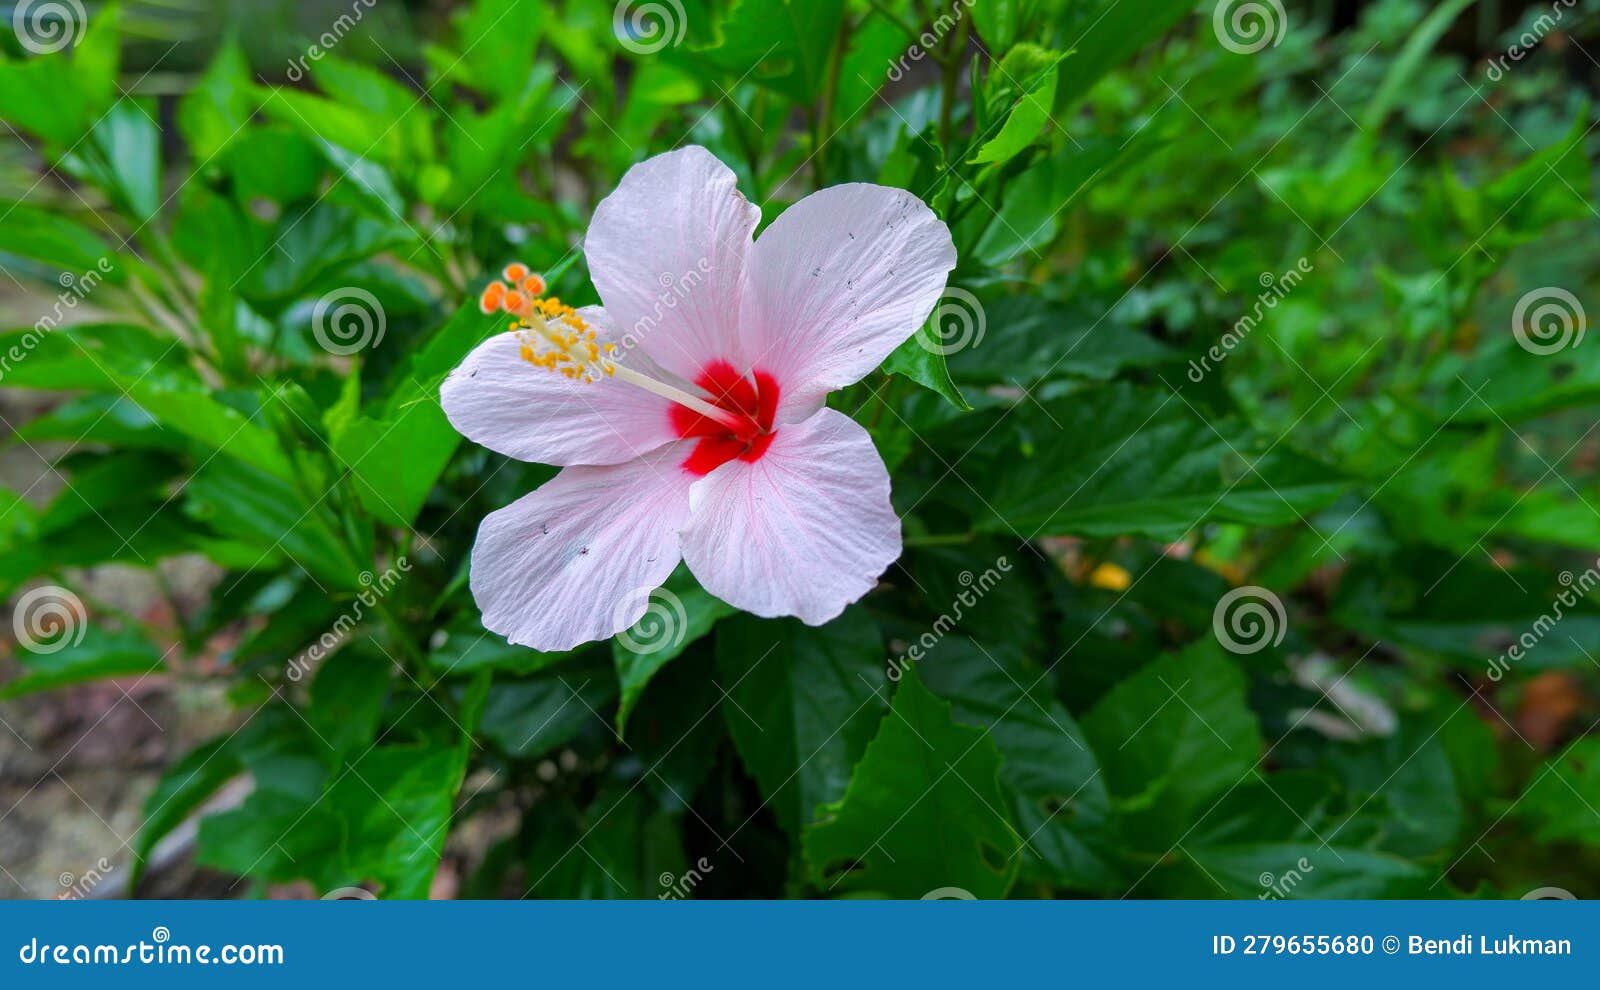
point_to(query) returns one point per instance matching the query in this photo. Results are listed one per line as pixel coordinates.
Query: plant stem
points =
(822, 120)
(939, 540)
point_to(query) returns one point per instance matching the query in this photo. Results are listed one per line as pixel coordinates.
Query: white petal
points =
(805, 530)
(666, 250)
(575, 560)
(533, 414)
(838, 281)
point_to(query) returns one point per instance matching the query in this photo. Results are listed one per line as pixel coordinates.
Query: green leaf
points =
(1265, 839)
(1033, 338)
(469, 649)
(1404, 790)
(502, 36)
(1560, 801)
(280, 164)
(530, 717)
(921, 358)
(1114, 33)
(244, 502)
(679, 613)
(104, 486)
(131, 361)
(315, 242)
(621, 846)
(782, 44)
(403, 118)
(1173, 735)
(1057, 794)
(47, 236)
(128, 143)
(1486, 618)
(350, 127)
(82, 652)
(382, 816)
(923, 811)
(802, 704)
(1123, 459)
(396, 451)
(1028, 75)
(182, 789)
(347, 698)
(57, 96)
(19, 521)
(214, 112)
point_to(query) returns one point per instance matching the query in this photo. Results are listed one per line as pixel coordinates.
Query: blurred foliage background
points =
(1261, 413)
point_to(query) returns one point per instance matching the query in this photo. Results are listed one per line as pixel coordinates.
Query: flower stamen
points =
(554, 337)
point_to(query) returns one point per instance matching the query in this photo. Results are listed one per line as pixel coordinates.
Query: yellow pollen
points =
(551, 335)
(555, 337)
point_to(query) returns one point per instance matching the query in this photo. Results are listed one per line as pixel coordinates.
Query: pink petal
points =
(667, 253)
(533, 414)
(838, 281)
(805, 530)
(575, 560)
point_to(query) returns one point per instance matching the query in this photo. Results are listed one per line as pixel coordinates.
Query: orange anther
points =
(492, 296)
(516, 272)
(516, 302)
(534, 285)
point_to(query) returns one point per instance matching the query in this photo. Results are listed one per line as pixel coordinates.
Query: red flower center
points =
(753, 404)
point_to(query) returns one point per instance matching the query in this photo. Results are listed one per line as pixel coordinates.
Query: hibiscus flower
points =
(687, 412)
